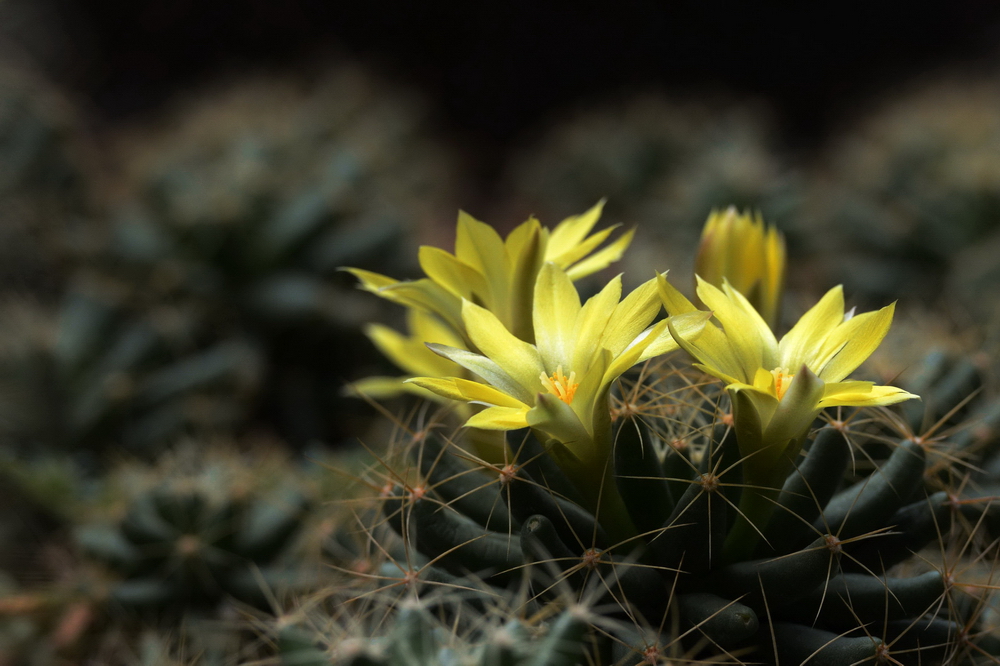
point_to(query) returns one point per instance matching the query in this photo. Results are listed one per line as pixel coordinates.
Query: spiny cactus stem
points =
(744, 536)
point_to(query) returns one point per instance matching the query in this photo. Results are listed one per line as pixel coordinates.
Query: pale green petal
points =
(852, 342)
(558, 420)
(516, 357)
(499, 418)
(674, 301)
(797, 409)
(485, 368)
(747, 406)
(448, 271)
(805, 339)
(875, 396)
(764, 403)
(602, 259)
(631, 317)
(591, 321)
(568, 233)
(557, 305)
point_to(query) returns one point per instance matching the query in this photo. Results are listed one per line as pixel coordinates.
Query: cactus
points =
(199, 529)
(417, 636)
(832, 580)
(219, 263)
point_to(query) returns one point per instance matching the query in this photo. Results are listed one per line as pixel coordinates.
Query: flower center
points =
(560, 385)
(782, 378)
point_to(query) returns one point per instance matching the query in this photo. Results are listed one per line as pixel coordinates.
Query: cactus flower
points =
(559, 386)
(498, 273)
(742, 250)
(778, 388)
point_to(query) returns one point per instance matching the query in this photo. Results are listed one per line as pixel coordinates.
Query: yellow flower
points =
(778, 388)
(409, 353)
(747, 253)
(559, 386)
(499, 274)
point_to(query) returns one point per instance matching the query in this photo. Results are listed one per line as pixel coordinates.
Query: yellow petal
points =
(557, 305)
(875, 396)
(525, 248)
(852, 342)
(633, 353)
(581, 249)
(631, 317)
(499, 418)
(382, 387)
(711, 349)
(749, 335)
(485, 368)
(602, 259)
(444, 387)
(370, 281)
(516, 357)
(480, 246)
(806, 338)
(568, 233)
(409, 354)
(429, 328)
(591, 322)
(689, 326)
(487, 395)
(426, 295)
(674, 301)
(448, 271)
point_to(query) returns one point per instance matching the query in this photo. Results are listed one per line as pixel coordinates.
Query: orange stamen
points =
(560, 385)
(782, 379)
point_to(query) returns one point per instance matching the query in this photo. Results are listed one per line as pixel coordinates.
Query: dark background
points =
(495, 70)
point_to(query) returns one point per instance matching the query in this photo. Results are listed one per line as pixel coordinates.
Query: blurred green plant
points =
(907, 201)
(662, 164)
(214, 297)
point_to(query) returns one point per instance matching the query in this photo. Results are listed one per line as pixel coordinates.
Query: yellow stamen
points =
(560, 385)
(782, 379)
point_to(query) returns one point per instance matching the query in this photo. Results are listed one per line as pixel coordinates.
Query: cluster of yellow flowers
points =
(499, 325)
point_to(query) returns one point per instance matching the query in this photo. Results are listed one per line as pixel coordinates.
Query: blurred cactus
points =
(661, 164)
(198, 528)
(911, 196)
(46, 182)
(175, 560)
(219, 265)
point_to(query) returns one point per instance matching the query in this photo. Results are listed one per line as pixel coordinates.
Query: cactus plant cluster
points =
(789, 518)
